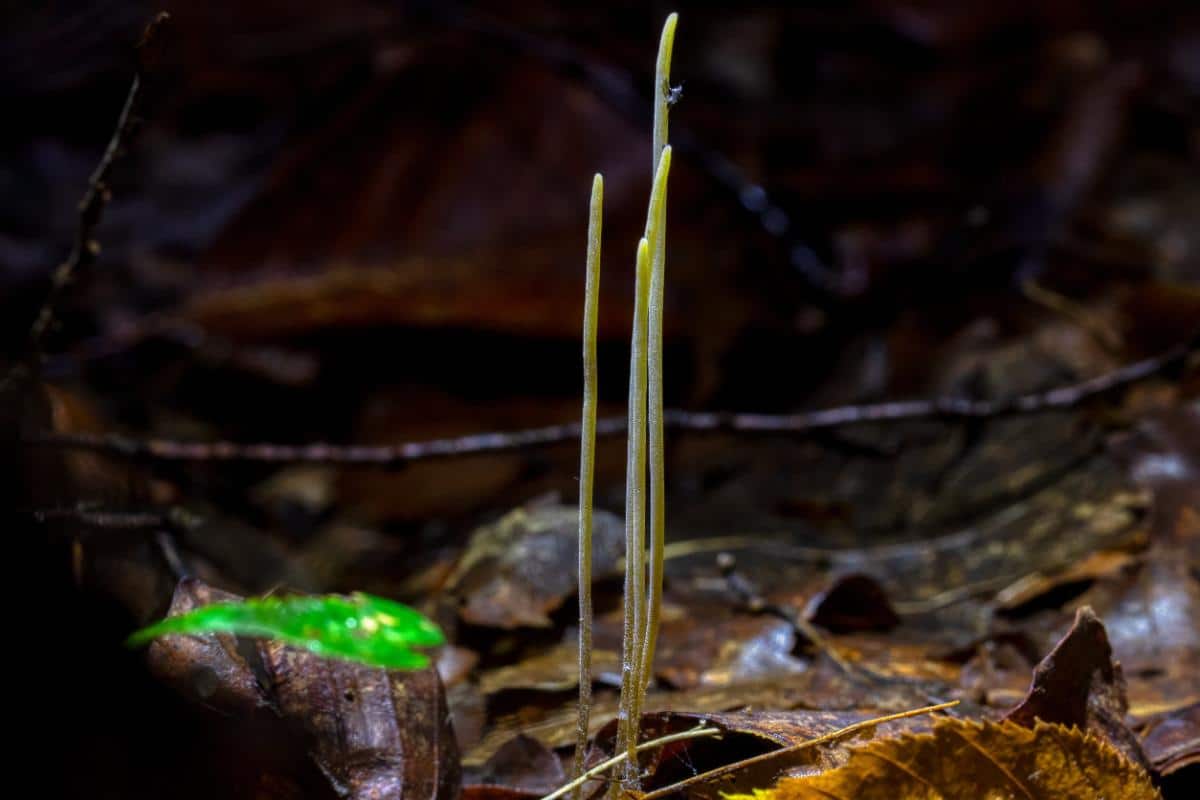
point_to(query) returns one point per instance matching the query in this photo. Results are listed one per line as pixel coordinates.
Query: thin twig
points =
(941, 408)
(106, 520)
(604, 766)
(174, 518)
(705, 777)
(171, 556)
(95, 199)
(321, 453)
(945, 408)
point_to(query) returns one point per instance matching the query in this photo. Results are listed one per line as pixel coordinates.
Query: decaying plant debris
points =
(919, 396)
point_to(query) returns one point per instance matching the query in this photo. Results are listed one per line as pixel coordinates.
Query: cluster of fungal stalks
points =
(643, 571)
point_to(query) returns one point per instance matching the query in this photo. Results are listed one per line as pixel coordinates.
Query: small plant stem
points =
(657, 457)
(587, 469)
(604, 766)
(635, 521)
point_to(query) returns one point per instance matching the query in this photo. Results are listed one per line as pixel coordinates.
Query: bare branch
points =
(107, 519)
(943, 408)
(320, 453)
(939, 408)
(95, 199)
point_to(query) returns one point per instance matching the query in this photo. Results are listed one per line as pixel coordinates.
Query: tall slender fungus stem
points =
(657, 459)
(655, 218)
(635, 520)
(662, 86)
(643, 593)
(656, 232)
(587, 472)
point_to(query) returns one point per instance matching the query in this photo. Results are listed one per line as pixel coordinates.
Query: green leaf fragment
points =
(359, 627)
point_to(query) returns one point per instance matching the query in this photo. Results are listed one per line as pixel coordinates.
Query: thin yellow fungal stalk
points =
(587, 472)
(645, 384)
(662, 84)
(656, 233)
(635, 522)
(657, 461)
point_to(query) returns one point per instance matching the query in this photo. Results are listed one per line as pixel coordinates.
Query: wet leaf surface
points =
(208, 669)
(851, 603)
(960, 759)
(1078, 685)
(376, 733)
(553, 670)
(517, 570)
(727, 652)
(373, 733)
(1172, 741)
(523, 767)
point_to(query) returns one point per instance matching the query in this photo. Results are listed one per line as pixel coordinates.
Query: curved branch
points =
(944, 408)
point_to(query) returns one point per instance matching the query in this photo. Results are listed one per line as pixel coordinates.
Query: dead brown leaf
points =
(1078, 685)
(206, 669)
(523, 766)
(1172, 741)
(995, 671)
(718, 649)
(851, 602)
(1151, 622)
(1030, 588)
(375, 734)
(747, 731)
(979, 760)
(823, 687)
(520, 568)
(554, 670)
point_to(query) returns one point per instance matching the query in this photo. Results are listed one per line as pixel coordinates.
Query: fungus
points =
(645, 448)
(587, 467)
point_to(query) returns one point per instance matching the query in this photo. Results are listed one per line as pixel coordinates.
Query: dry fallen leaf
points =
(1172, 741)
(554, 670)
(977, 760)
(523, 766)
(1079, 684)
(375, 734)
(520, 568)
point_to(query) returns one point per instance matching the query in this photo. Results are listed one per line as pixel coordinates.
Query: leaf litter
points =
(892, 566)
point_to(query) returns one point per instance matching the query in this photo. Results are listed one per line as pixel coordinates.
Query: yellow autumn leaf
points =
(962, 760)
